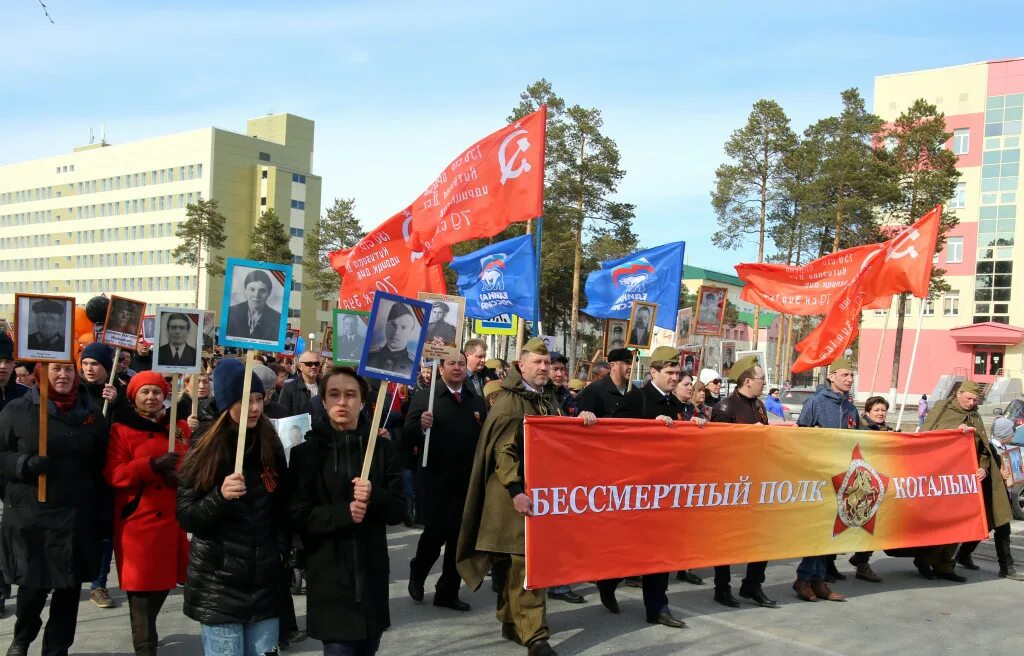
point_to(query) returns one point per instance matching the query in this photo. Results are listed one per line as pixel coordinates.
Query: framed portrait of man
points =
(292, 431)
(684, 327)
(350, 328)
(394, 342)
(641, 325)
(710, 311)
(148, 329)
(614, 334)
(444, 325)
(291, 341)
(45, 328)
(209, 330)
(327, 343)
(177, 345)
(254, 314)
(123, 324)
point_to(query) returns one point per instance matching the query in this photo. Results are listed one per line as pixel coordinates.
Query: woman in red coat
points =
(151, 549)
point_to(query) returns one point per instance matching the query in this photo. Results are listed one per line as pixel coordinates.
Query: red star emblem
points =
(859, 494)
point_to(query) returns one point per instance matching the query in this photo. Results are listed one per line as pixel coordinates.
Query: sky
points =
(397, 90)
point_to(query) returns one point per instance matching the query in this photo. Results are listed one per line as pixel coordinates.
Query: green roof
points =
(697, 273)
(764, 321)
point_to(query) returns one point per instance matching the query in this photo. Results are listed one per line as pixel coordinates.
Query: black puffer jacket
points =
(235, 569)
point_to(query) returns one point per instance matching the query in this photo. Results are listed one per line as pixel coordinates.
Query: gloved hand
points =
(170, 477)
(36, 465)
(165, 463)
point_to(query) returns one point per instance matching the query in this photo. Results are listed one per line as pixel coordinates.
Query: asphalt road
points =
(903, 615)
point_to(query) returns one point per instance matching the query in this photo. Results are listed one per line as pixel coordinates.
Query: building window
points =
(296, 177)
(961, 141)
(928, 308)
(951, 304)
(263, 200)
(264, 157)
(199, 170)
(298, 205)
(297, 232)
(954, 250)
(959, 199)
(263, 173)
(296, 259)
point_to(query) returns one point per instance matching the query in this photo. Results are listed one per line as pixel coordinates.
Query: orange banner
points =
(628, 497)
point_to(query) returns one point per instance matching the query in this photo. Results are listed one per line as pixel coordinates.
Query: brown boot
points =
(804, 591)
(822, 591)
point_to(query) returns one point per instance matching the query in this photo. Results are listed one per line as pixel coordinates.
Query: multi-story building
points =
(973, 331)
(102, 218)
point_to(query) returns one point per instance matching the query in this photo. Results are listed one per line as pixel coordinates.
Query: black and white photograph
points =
(254, 313)
(176, 347)
(209, 330)
(350, 328)
(291, 341)
(614, 334)
(641, 325)
(444, 325)
(549, 342)
(327, 344)
(124, 323)
(395, 340)
(45, 328)
(292, 431)
(684, 319)
(148, 329)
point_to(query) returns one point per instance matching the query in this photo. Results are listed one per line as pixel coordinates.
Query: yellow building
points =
(102, 218)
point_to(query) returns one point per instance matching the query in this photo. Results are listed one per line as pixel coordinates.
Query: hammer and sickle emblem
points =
(416, 255)
(908, 236)
(522, 145)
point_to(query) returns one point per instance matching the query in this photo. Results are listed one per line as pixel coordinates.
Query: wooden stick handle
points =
(371, 443)
(173, 424)
(113, 374)
(194, 393)
(243, 417)
(430, 409)
(44, 402)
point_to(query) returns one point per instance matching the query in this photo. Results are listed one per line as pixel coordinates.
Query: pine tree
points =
(337, 229)
(269, 241)
(200, 234)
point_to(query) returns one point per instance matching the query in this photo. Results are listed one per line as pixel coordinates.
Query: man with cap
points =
(652, 401)
(495, 369)
(712, 381)
(97, 361)
(830, 407)
(493, 524)
(743, 406)
(393, 355)
(438, 328)
(961, 412)
(49, 320)
(603, 396)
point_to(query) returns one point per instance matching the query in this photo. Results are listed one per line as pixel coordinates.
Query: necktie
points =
(457, 396)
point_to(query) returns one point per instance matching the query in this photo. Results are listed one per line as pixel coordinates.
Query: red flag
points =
(902, 264)
(497, 181)
(382, 261)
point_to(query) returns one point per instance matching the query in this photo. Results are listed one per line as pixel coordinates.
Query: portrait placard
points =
(444, 325)
(148, 329)
(684, 323)
(123, 324)
(394, 343)
(641, 324)
(710, 311)
(615, 334)
(1013, 456)
(350, 328)
(292, 432)
(327, 343)
(291, 341)
(254, 314)
(209, 330)
(177, 342)
(45, 328)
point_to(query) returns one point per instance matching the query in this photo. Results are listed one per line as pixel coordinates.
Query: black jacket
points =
(235, 563)
(739, 409)
(295, 397)
(347, 566)
(444, 481)
(53, 544)
(601, 397)
(648, 403)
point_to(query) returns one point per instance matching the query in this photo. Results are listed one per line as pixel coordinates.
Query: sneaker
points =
(101, 598)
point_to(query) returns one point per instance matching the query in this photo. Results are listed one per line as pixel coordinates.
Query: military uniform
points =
(37, 341)
(384, 358)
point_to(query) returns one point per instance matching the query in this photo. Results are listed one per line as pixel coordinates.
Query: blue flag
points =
(499, 279)
(654, 275)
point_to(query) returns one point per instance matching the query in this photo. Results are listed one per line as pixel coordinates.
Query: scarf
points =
(64, 402)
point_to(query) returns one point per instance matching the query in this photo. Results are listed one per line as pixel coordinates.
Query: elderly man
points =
(297, 392)
(603, 396)
(49, 334)
(493, 525)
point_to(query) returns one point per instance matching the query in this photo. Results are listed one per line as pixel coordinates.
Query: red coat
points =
(150, 547)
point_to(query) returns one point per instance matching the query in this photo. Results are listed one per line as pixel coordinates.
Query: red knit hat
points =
(147, 378)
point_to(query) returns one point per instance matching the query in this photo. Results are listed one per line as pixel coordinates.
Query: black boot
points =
(963, 556)
(1005, 558)
(723, 595)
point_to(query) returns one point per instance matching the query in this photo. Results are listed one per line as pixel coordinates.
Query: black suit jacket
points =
(268, 328)
(601, 397)
(648, 403)
(187, 359)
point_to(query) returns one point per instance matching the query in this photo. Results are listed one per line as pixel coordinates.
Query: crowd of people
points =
(165, 505)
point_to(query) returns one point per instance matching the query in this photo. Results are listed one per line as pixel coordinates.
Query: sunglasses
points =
(310, 364)
(717, 381)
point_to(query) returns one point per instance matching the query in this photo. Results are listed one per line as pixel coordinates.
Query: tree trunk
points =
(839, 219)
(760, 241)
(898, 345)
(576, 266)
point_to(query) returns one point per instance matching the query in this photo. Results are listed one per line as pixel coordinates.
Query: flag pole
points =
(881, 344)
(910, 372)
(536, 292)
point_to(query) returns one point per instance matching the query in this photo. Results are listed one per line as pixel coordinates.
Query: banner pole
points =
(881, 344)
(430, 409)
(243, 417)
(174, 413)
(536, 292)
(371, 442)
(44, 415)
(910, 372)
(113, 373)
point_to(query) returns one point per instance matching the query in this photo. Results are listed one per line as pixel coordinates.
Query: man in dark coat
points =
(10, 389)
(297, 392)
(455, 426)
(253, 318)
(743, 407)
(49, 334)
(603, 396)
(654, 400)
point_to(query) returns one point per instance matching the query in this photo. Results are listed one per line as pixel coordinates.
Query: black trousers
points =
(143, 607)
(655, 589)
(1001, 533)
(434, 537)
(60, 626)
(752, 581)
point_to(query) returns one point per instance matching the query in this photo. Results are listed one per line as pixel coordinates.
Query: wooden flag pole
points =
(194, 393)
(243, 418)
(430, 409)
(174, 412)
(44, 402)
(371, 443)
(113, 373)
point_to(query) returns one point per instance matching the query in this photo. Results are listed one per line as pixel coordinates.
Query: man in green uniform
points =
(497, 536)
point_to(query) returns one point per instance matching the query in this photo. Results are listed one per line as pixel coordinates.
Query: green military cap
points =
(744, 363)
(492, 387)
(665, 354)
(970, 387)
(493, 363)
(535, 346)
(841, 363)
(576, 384)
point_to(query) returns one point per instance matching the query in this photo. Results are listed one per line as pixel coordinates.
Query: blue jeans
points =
(366, 647)
(106, 555)
(811, 568)
(255, 639)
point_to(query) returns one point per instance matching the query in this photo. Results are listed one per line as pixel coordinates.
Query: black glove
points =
(36, 465)
(165, 463)
(170, 477)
